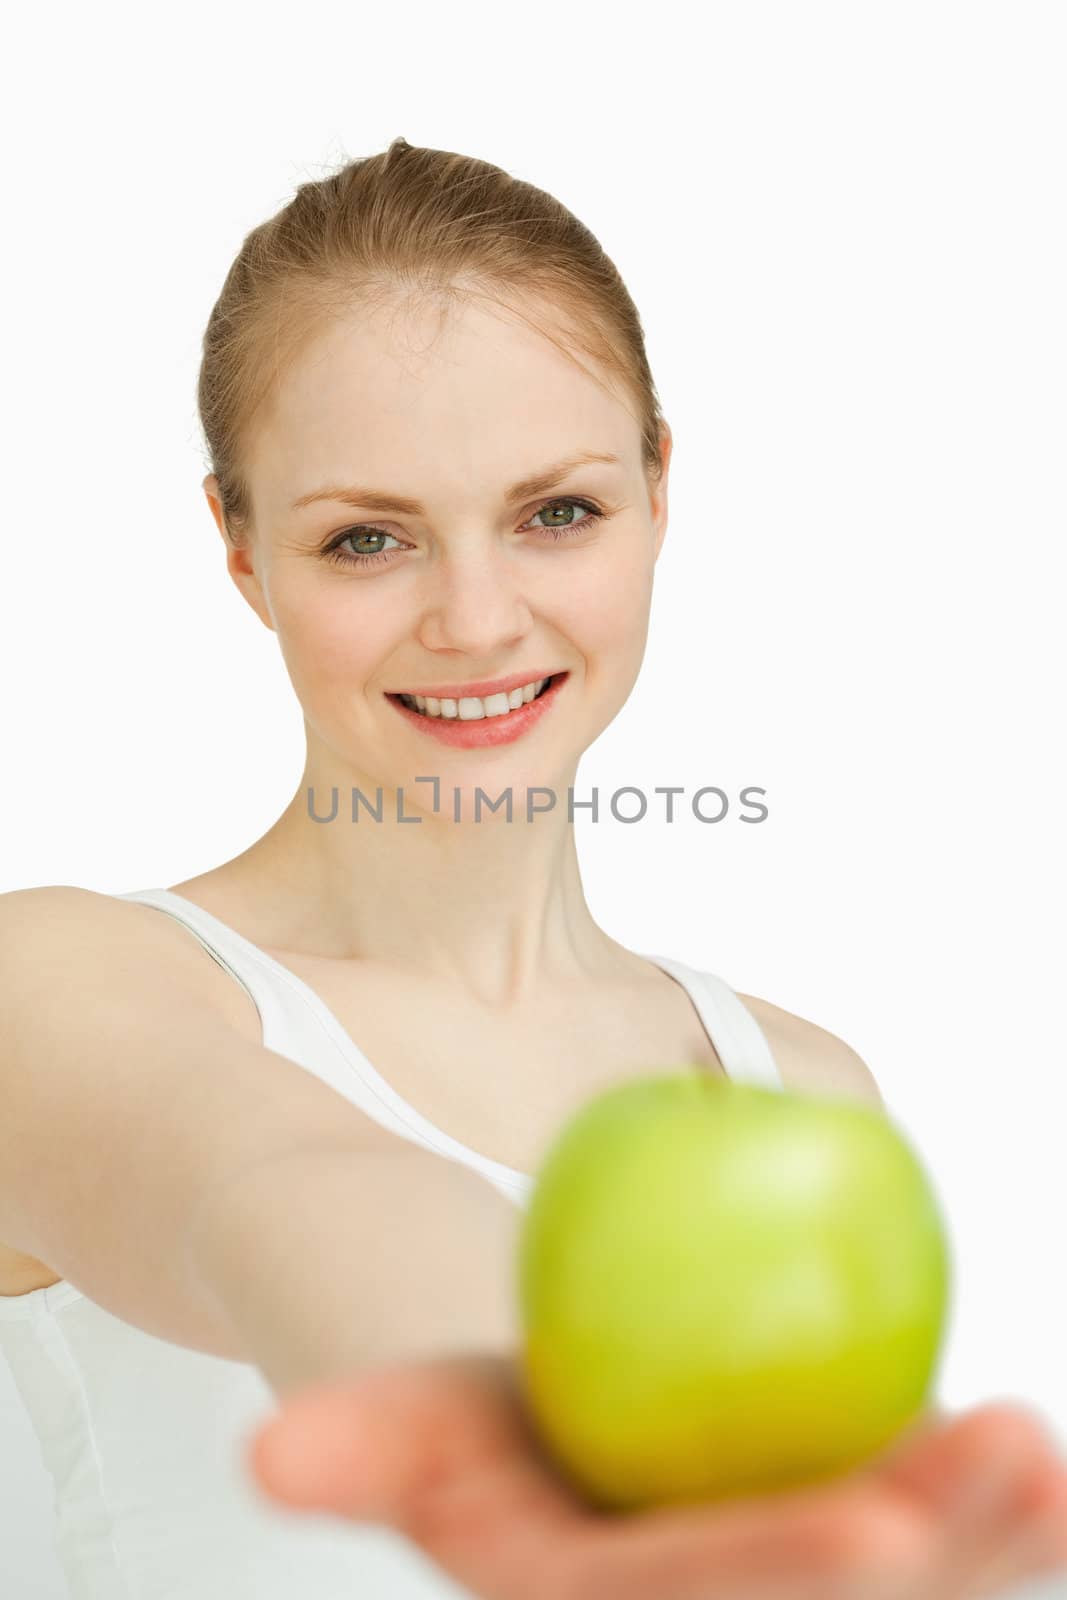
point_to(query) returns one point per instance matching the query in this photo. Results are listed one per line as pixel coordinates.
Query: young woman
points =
(269, 1131)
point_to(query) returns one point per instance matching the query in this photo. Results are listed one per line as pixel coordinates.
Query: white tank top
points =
(144, 1440)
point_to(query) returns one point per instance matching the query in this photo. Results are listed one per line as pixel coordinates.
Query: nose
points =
(476, 602)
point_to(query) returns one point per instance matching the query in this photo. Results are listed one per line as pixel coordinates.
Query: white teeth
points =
(472, 708)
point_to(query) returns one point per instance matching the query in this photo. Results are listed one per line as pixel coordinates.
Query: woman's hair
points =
(395, 227)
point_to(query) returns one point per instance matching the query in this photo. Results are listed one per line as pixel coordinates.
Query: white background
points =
(843, 225)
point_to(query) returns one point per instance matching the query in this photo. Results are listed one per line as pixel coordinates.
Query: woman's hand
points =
(442, 1451)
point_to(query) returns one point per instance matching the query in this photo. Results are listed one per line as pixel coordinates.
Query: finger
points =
(966, 1472)
(1029, 1541)
(440, 1450)
(841, 1541)
(371, 1445)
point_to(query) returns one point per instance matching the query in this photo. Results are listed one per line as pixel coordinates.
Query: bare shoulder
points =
(812, 1060)
(42, 925)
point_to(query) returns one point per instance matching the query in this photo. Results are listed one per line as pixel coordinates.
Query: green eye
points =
(336, 553)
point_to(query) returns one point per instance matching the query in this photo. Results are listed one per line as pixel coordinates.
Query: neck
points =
(494, 906)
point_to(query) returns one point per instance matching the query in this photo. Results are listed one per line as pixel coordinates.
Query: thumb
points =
(369, 1448)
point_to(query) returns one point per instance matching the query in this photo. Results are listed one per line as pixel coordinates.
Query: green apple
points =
(726, 1290)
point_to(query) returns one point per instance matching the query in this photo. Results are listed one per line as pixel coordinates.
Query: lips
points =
(545, 686)
(485, 732)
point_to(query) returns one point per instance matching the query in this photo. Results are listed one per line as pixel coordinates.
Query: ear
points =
(239, 561)
(659, 494)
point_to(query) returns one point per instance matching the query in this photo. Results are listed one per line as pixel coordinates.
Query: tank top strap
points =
(235, 956)
(740, 1043)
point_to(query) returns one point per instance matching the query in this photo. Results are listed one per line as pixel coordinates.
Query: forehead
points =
(430, 403)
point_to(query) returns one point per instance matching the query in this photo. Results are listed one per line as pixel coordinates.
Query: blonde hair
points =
(402, 224)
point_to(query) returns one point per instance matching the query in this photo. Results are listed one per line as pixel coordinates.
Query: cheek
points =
(608, 607)
(329, 638)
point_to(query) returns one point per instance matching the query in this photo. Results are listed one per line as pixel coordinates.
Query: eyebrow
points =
(379, 500)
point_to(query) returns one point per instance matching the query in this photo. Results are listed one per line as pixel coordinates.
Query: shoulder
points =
(811, 1059)
(35, 921)
(44, 928)
(54, 905)
(55, 916)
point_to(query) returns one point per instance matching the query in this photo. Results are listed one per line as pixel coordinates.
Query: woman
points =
(439, 470)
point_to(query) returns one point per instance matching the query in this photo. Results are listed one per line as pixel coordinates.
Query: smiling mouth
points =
(408, 701)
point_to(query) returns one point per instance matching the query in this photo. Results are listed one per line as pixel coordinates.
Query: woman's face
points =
(467, 583)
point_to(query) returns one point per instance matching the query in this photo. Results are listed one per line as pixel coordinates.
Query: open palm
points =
(442, 1451)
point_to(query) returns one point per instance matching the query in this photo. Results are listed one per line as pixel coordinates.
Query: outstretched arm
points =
(402, 1254)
